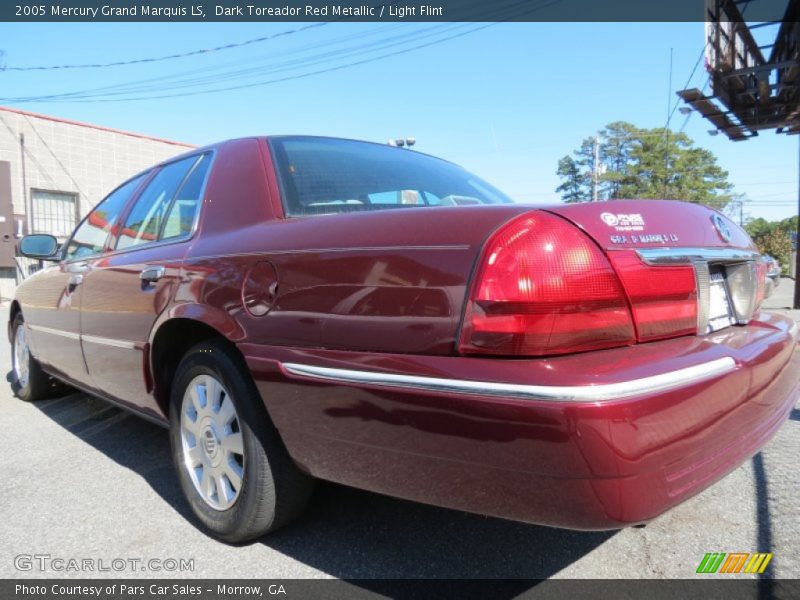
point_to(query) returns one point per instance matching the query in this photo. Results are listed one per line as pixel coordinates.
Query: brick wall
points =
(76, 158)
(60, 156)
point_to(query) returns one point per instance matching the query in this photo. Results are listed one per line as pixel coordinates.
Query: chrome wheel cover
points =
(21, 358)
(211, 440)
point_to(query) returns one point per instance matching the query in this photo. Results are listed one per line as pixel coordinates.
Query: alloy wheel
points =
(211, 437)
(21, 361)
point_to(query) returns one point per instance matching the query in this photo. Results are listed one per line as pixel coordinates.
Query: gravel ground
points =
(86, 480)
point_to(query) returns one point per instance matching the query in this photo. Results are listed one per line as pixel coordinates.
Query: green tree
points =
(759, 227)
(776, 243)
(774, 238)
(619, 140)
(646, 163)
(789, 225)
(574, 187)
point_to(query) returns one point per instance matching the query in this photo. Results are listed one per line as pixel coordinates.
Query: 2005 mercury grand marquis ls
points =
(299, 307)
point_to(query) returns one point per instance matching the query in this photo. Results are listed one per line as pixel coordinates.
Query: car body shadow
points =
(346, 533)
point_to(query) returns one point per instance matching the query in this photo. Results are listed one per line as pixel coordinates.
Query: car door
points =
(126, 290)
(52, 298)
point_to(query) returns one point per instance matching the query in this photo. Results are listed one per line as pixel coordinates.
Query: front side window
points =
(324, 175)
(167, 207)
(91, 235)
(143, 223)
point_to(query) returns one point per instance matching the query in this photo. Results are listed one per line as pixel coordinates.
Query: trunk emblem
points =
(722, 227)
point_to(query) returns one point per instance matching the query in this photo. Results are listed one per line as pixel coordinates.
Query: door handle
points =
(77, 267)
(76, 271)
(152, 274)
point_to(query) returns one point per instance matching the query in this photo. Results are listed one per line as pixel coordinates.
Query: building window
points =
(53, 213)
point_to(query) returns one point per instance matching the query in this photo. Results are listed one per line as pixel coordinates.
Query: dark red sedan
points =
(300, 307)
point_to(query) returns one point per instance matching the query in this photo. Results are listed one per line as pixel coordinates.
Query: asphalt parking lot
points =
(82, 479)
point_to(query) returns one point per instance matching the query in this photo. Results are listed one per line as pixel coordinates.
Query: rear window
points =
(322, 175)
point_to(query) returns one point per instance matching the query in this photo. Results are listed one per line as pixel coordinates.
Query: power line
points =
(88, 96)
(764, 182)
(688, 81)
(213, 74)
(777, 194)
(55, 156)
(186, 80)
(153, 59)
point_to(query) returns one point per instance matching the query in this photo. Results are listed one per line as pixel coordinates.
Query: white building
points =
(53, 171)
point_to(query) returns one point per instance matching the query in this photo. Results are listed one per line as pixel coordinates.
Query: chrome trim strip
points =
(67, 334)
(579, 393)
(86, 338)
(96, 339)
(703, 279)
(324, 250)
(671, 256)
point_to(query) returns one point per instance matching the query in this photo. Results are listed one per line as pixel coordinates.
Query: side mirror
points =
(39, 245)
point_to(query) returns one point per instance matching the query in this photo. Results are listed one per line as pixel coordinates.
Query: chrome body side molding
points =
(584, 393)
(104, 341)
(59, 332)
(128, 345)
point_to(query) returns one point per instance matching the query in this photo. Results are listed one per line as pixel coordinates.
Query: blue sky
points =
(505, 101)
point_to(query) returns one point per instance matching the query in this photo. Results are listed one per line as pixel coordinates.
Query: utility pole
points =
(26, 201)
(797, 241)
(596, 168)
(741, 212)
(666, 128)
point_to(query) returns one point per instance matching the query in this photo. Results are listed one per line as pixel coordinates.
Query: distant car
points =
(773, 274)
(297, 307)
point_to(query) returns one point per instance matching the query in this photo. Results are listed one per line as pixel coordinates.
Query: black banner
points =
(364, 10)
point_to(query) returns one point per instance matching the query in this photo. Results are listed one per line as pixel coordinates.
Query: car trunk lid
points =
(625, 224)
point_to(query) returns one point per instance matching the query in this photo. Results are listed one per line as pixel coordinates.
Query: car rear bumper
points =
(597, 440)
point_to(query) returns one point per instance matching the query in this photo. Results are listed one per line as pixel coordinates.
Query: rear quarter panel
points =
(392, 281)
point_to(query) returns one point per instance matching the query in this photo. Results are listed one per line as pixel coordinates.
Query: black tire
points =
(273, 490)
(39, 385)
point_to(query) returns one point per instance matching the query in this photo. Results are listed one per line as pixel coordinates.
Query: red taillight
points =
(663, 298)
(544, 287)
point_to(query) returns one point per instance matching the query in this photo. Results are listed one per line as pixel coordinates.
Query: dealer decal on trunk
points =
(634, 222)
(623, 221)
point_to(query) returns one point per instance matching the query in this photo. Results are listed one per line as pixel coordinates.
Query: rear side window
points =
(181, 216)
(91, 235)
(324, 175)
(143, 223)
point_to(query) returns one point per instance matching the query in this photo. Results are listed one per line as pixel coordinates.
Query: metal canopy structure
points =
(750, 92)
